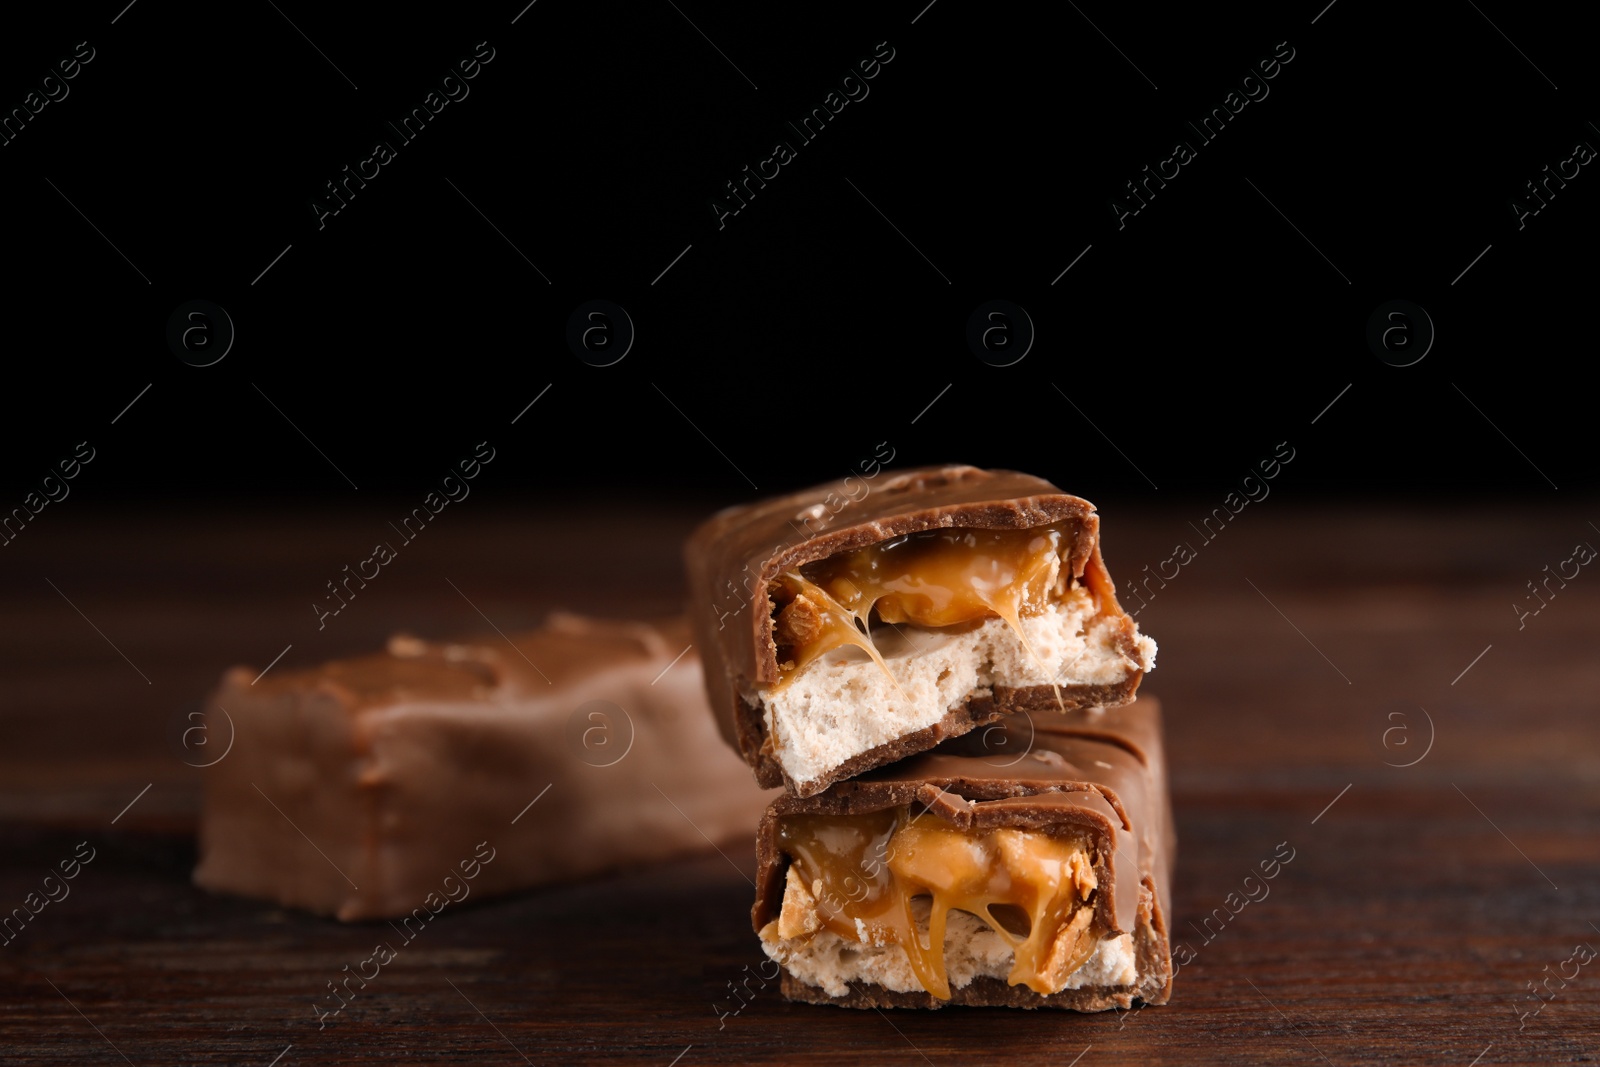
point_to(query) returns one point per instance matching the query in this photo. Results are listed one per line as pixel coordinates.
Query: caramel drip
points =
(864, 871)
(930, 579)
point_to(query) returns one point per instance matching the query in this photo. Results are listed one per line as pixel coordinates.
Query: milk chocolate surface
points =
(355, 788)
(1096, 774)
(734, 558)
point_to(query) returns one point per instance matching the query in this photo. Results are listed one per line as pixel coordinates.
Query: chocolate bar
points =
(1023, 865)
(356, 788)
(845, 628)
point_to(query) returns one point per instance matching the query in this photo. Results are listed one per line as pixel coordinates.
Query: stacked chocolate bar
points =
(934, 666)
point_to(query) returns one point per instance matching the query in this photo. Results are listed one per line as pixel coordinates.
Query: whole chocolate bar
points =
(844, 629)
(367, 788)
(1016, 866)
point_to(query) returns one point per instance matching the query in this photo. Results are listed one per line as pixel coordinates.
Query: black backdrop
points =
(829, 316)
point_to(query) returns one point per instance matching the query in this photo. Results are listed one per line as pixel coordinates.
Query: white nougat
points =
(971, 950)
(843, 704)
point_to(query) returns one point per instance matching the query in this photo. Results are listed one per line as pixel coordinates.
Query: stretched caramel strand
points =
(812, 623)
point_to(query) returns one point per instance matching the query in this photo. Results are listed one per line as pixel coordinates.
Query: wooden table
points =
(1304, 654)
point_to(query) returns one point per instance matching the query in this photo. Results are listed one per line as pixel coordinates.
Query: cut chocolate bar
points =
(843, 631)
(356, 788)
(1024, 865)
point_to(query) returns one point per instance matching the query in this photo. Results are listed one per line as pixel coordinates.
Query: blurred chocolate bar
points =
(366, 787)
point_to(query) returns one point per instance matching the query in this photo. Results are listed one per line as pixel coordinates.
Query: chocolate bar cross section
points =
(1022, 865)
(844, 632)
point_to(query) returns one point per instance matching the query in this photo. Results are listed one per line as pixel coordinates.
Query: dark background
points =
(1340, 671)
(807, 329)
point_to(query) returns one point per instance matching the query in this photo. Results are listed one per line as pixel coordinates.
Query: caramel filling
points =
(932, 579)
(860, 874)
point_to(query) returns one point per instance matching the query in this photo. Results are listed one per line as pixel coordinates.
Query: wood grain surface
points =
(1306, 657)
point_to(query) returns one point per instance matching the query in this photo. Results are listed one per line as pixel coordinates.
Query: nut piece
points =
(1083, 874)
(799, 915)
(1072, 949)
(799, 623)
